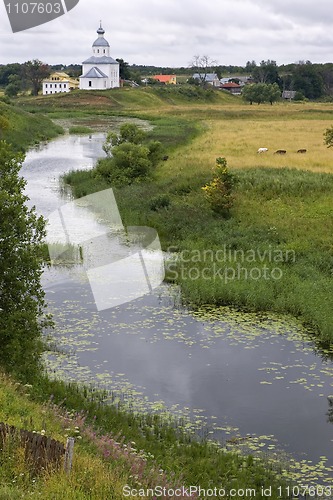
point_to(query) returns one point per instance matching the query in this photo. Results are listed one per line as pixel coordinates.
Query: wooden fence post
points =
(69, 455)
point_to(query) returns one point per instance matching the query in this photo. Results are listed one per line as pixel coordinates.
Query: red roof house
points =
(167, 79)
(232, 87)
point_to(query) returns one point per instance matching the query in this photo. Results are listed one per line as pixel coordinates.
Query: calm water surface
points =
(241, 374)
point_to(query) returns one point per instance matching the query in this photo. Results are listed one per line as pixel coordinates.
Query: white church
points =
(100, 71)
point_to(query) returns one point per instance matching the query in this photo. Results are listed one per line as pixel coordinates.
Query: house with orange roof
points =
(166, 79)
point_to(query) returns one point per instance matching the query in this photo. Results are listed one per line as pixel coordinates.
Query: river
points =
(257, 381)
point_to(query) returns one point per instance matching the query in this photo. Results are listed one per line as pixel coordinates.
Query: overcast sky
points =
(170, 33)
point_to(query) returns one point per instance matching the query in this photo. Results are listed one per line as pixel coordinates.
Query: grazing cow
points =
(280, 152)
(262, 150)
(301, 151)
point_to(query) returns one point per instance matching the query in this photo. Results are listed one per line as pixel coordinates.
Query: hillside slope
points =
(23, 129)
(127, 99)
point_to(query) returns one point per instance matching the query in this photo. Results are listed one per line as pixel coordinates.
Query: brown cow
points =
(280, 152)
(301, 151)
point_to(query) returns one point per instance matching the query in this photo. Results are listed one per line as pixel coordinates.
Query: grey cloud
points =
(170, 33)
(300, 11)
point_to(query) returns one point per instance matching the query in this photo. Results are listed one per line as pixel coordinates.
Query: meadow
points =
(282, 204)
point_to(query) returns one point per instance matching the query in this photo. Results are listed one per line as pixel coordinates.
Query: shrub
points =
(328, 137)
(129, 162)
(129, 133)
(299, 96)
(155, 152)
(128, 159)
(158, 202)
(219, 191)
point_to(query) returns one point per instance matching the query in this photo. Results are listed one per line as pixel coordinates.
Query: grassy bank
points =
(274, 252)
(114, 448)
(24, 129)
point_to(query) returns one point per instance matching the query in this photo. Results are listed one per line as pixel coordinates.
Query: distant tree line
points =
(309, 80)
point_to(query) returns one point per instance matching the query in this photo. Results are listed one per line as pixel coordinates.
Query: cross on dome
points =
(100, 30)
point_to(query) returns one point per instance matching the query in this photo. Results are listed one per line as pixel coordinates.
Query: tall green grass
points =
(284, 213)
(164, 441)
(113, 448)
(287, 211)
(26, 129)
(80, 129)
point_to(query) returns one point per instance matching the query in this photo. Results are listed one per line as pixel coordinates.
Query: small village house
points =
(166, 79)
(232, 87)
(288, 94)
(209, 78)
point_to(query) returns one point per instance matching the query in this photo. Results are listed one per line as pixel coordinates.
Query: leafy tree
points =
(267, 72)
(22, 316)
(248, 93)
(326, 72)
(14, 86)
(136, 77)
(155, 152)
(36, 71)
(328, 137)
(299, 96)
(261, 92)
(308, 80)
(124, 70)
(7, 70)
(250, 66)
(193, 81)
(273, 92)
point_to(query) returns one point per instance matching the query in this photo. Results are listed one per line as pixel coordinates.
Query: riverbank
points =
(115, 449)
(274, 252)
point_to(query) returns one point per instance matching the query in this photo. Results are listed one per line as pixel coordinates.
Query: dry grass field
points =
(238, 131)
